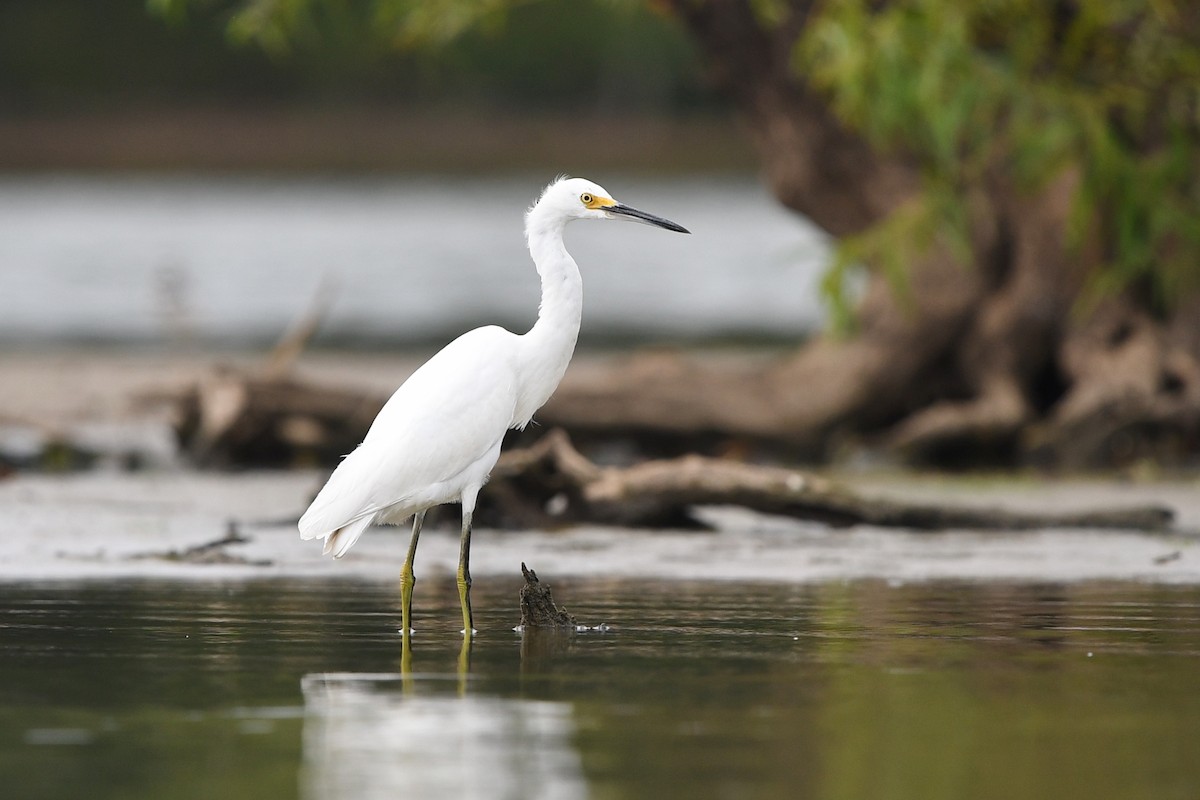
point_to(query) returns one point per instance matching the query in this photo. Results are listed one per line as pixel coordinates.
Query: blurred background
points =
(164, 184)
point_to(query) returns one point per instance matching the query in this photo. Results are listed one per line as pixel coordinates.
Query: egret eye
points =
(586, 199)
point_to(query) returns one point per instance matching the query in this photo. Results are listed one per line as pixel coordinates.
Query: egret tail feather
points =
(340, 541)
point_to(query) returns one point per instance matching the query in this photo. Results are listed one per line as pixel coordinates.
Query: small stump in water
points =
(537, 605)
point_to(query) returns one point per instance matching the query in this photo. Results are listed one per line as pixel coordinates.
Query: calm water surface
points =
(287, 689)
(178, 259)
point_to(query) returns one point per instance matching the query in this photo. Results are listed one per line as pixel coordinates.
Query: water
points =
(177, 259)
(836, 690)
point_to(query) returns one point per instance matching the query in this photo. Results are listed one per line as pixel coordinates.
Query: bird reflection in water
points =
(416, 734)
(406, 670)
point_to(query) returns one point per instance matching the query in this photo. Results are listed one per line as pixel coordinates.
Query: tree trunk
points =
(993, 361)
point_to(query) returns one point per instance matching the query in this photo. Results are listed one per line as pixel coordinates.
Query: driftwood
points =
(552, 483)
(238, 419)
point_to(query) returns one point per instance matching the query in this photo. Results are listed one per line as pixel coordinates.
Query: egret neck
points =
(546, 349)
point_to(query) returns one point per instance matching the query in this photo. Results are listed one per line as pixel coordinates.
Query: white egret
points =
(438, 437)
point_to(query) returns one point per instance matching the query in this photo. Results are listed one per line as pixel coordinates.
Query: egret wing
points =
(446, 417)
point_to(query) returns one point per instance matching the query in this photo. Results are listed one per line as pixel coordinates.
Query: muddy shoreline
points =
(105, 525)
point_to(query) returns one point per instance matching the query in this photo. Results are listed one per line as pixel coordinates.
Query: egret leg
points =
(464, 572)
(407, 579)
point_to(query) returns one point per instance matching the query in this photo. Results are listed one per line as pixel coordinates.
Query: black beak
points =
(642, 216)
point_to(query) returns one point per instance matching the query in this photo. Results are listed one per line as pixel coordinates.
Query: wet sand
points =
(115, 525)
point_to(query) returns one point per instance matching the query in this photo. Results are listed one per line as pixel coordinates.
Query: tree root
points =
(1134, 394)
(949, 432)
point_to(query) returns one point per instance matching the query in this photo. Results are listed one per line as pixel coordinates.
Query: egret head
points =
(578, 198)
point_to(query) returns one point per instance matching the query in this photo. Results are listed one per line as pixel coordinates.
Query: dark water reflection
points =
(285, 689)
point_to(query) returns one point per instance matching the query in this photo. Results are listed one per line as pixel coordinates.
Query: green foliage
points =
(436, 22)
(571, 53)
(279, 26)
(1026, 89)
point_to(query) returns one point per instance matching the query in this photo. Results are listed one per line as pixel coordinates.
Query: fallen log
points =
(238, 419)
(552, 483)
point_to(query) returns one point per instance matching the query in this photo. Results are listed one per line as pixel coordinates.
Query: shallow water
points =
(838, 690)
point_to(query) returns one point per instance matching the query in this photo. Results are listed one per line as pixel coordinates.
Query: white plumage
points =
(438, 437)
(419, 453)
